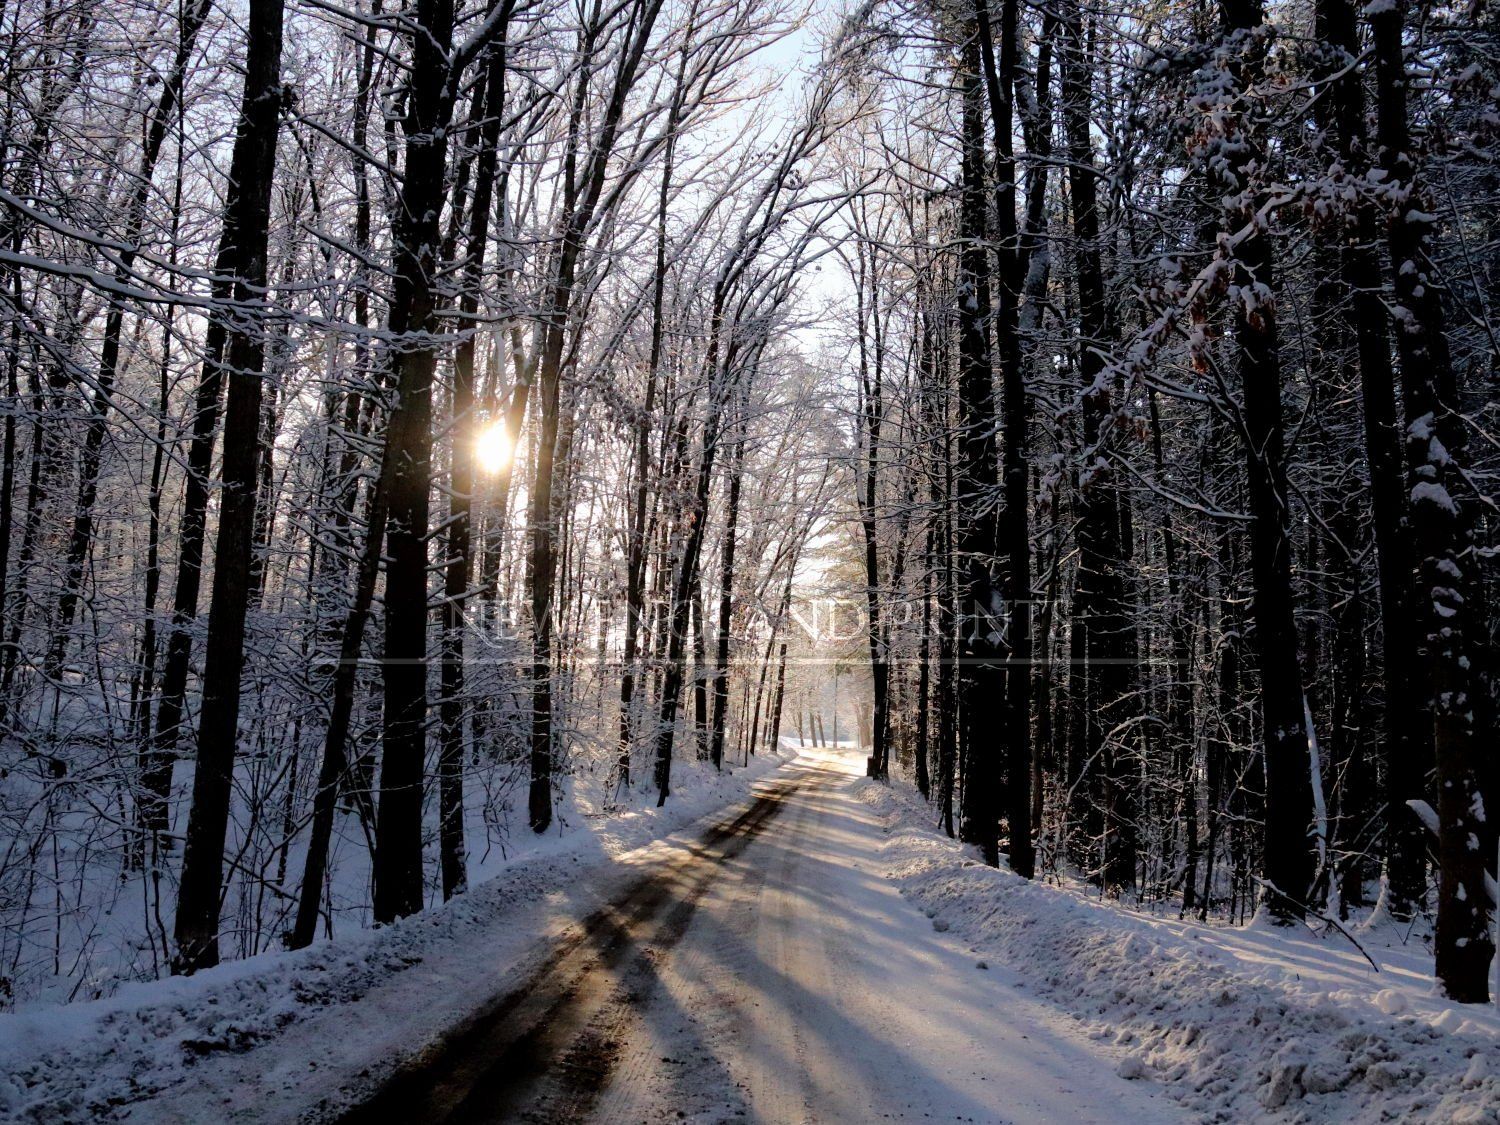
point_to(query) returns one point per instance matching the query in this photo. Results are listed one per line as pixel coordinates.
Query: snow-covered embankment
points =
(1237, 1024)
(273, 1037)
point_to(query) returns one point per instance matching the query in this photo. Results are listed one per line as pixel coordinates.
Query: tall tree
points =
(981, 659)
(1288, 855)
(460, 568)
(241, 263)
(581, 193)
(1436, 442)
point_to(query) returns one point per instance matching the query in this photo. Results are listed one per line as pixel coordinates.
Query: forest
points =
(436, 427)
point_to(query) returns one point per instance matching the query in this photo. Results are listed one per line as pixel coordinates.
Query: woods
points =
(1196, 540)
(515, 376)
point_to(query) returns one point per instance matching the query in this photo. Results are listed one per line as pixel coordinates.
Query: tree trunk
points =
(243, 261)
(1287, 861)
(700, 663)
(1180, 690)
(773, 728)
(726, 605)
(412, 323)
(1406, 716)
(682, 601)
(1013, 529)
(1442, 525)
(1106, 634)
(982, 672)
(872, 415)
(635, 565)
(580, 199)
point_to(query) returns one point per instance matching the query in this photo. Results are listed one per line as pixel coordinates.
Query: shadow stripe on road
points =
(545, 1050)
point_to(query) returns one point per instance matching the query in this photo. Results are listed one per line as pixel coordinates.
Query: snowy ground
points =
(278, 1034)
(732, 960)
(768, 972)
(806, 990)
(1237, 1024)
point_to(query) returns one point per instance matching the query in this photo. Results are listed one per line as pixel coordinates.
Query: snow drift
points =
(1237, 1025)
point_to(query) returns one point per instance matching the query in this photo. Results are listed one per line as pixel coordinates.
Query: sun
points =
(493, 447)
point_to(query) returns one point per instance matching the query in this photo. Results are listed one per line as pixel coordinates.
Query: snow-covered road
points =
(769, 973)
(806, 950)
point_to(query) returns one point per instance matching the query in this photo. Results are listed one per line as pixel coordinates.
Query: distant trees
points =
(1208, 583)
(1144, 354)
(447, 230)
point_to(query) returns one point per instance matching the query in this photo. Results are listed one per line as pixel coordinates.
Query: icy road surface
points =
(768, 973)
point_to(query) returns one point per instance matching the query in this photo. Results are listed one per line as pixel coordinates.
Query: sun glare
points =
(493, 448)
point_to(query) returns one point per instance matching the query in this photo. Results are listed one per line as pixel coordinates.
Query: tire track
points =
(546, 1050)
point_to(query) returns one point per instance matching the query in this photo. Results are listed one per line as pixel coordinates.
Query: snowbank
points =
(1237, 1024)
(99, 1059)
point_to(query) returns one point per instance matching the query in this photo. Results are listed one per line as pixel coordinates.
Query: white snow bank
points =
(1237, 1025)
(238, 1024)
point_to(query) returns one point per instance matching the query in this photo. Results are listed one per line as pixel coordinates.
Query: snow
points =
(1237, 1024)
(276, 1033)
(804, 980)
(1430, 492)
(1424, 813)
(806, 990)
(1391, 1001)
(1131, 1067)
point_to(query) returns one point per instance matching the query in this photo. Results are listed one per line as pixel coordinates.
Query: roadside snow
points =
(271, 1036)
(1259, 1023)
(806, 990)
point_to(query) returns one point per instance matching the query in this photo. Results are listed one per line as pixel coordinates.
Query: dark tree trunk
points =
(334, 768)
(1013, 528)
(872, 415)
(635, 565)
(700, 663)
(681, 604)
(1288, 861)
(924, 674)
(982, 671)
(247, 219)
(335, 765)
(1444, 601)
(1220, 743)
(1105, 632)
(726, 606)
(1406, 717)
(460, 567)
(580, 200)
(413, 322)
(8, 469)
(154, 785)
(1350, 745)
(773, 728)
(36, 498)
(1180, 690)
(947, 616)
